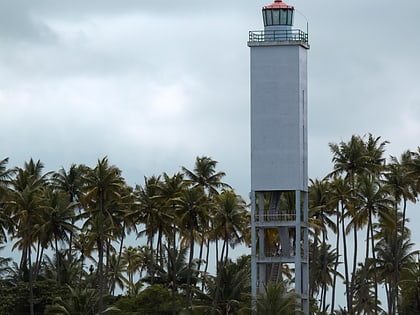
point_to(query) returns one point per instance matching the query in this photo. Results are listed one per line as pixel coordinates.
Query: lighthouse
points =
(279, 153)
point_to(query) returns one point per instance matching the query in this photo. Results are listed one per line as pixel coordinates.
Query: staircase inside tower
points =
(281, 208)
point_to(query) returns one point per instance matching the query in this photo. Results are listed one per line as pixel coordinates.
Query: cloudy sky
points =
(153, 84)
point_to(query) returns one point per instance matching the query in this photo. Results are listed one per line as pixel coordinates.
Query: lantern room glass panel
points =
(276, 17)
(283, 17)
(290, 17)
(269, 17)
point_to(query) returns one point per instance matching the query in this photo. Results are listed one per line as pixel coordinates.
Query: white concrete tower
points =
(279, 152)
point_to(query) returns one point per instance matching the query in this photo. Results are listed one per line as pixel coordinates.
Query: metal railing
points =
(275, 217)
(278, 35)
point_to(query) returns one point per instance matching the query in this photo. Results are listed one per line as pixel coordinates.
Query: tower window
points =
(278, 17)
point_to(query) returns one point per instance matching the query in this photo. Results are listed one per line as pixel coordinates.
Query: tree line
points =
(362, 202)
(83, 216)
(70, 227)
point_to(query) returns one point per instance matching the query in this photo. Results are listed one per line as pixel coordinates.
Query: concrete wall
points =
(278, 116)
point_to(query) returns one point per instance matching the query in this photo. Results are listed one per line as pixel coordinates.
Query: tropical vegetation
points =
(86, 242)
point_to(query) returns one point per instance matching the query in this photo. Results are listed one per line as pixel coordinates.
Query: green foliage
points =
(77, 301)
(14, 296)
(276, 299)
(83, 216)
(154, 300)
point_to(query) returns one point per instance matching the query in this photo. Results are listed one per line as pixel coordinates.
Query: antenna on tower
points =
(306, 19)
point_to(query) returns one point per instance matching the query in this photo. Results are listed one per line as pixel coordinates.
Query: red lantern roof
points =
(278, 4)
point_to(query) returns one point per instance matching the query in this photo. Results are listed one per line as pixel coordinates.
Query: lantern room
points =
(278, 15)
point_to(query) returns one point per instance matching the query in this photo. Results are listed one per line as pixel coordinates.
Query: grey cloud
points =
(18, 23)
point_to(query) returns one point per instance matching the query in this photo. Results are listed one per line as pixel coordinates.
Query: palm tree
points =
(193, 214)
(4, 266)
(80, 301)
(148, 210)
(393, 255)
(5, 173)
(231, 218)
(401, 186)
(365, 301)
(122, 217)
(321, 209)
(131, 260)
(353, 159)
(323, 271)
(57, 222)
(414, 168)
(84, 244)
(174, 272)
(102, 188)
(26, 205)
(340, 196)
(5, 177)
(410, 287)
(170, 192)
(231, 288)
(276, 299)
(373, 200)
(69, 272)
(71, 183)
(152, 215)
(204, 175)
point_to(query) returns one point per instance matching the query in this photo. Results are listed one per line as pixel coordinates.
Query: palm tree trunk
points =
(107, 265)
(227, 249)
(117, 264)
(374, 260)
(100, 274)
(397, 271)
(222, 254)
(353, 275)
(217, 251)
(151, 269)
(337, 246)
(37, 259)
(57, 255)
(69, 251)
(31, 280)
(159, 251)
(207, 263)
(189, 289)
(324, 273)
(23, 261)
(219, 269)
(174, 285)
(100, 244)
(346, 265)
(324, 297)
(200, 255)
(38, 264)
(367, 241)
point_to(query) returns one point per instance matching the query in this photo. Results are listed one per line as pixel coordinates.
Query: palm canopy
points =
(5, 176)
(103, 183)
(70, 181)
(103, 188)
(204, 175)
(231, 219)
(358, 156)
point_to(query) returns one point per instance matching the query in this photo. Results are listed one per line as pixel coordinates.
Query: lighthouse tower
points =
(279, 153)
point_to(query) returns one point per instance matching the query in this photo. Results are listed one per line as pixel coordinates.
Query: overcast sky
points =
(153, 84)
